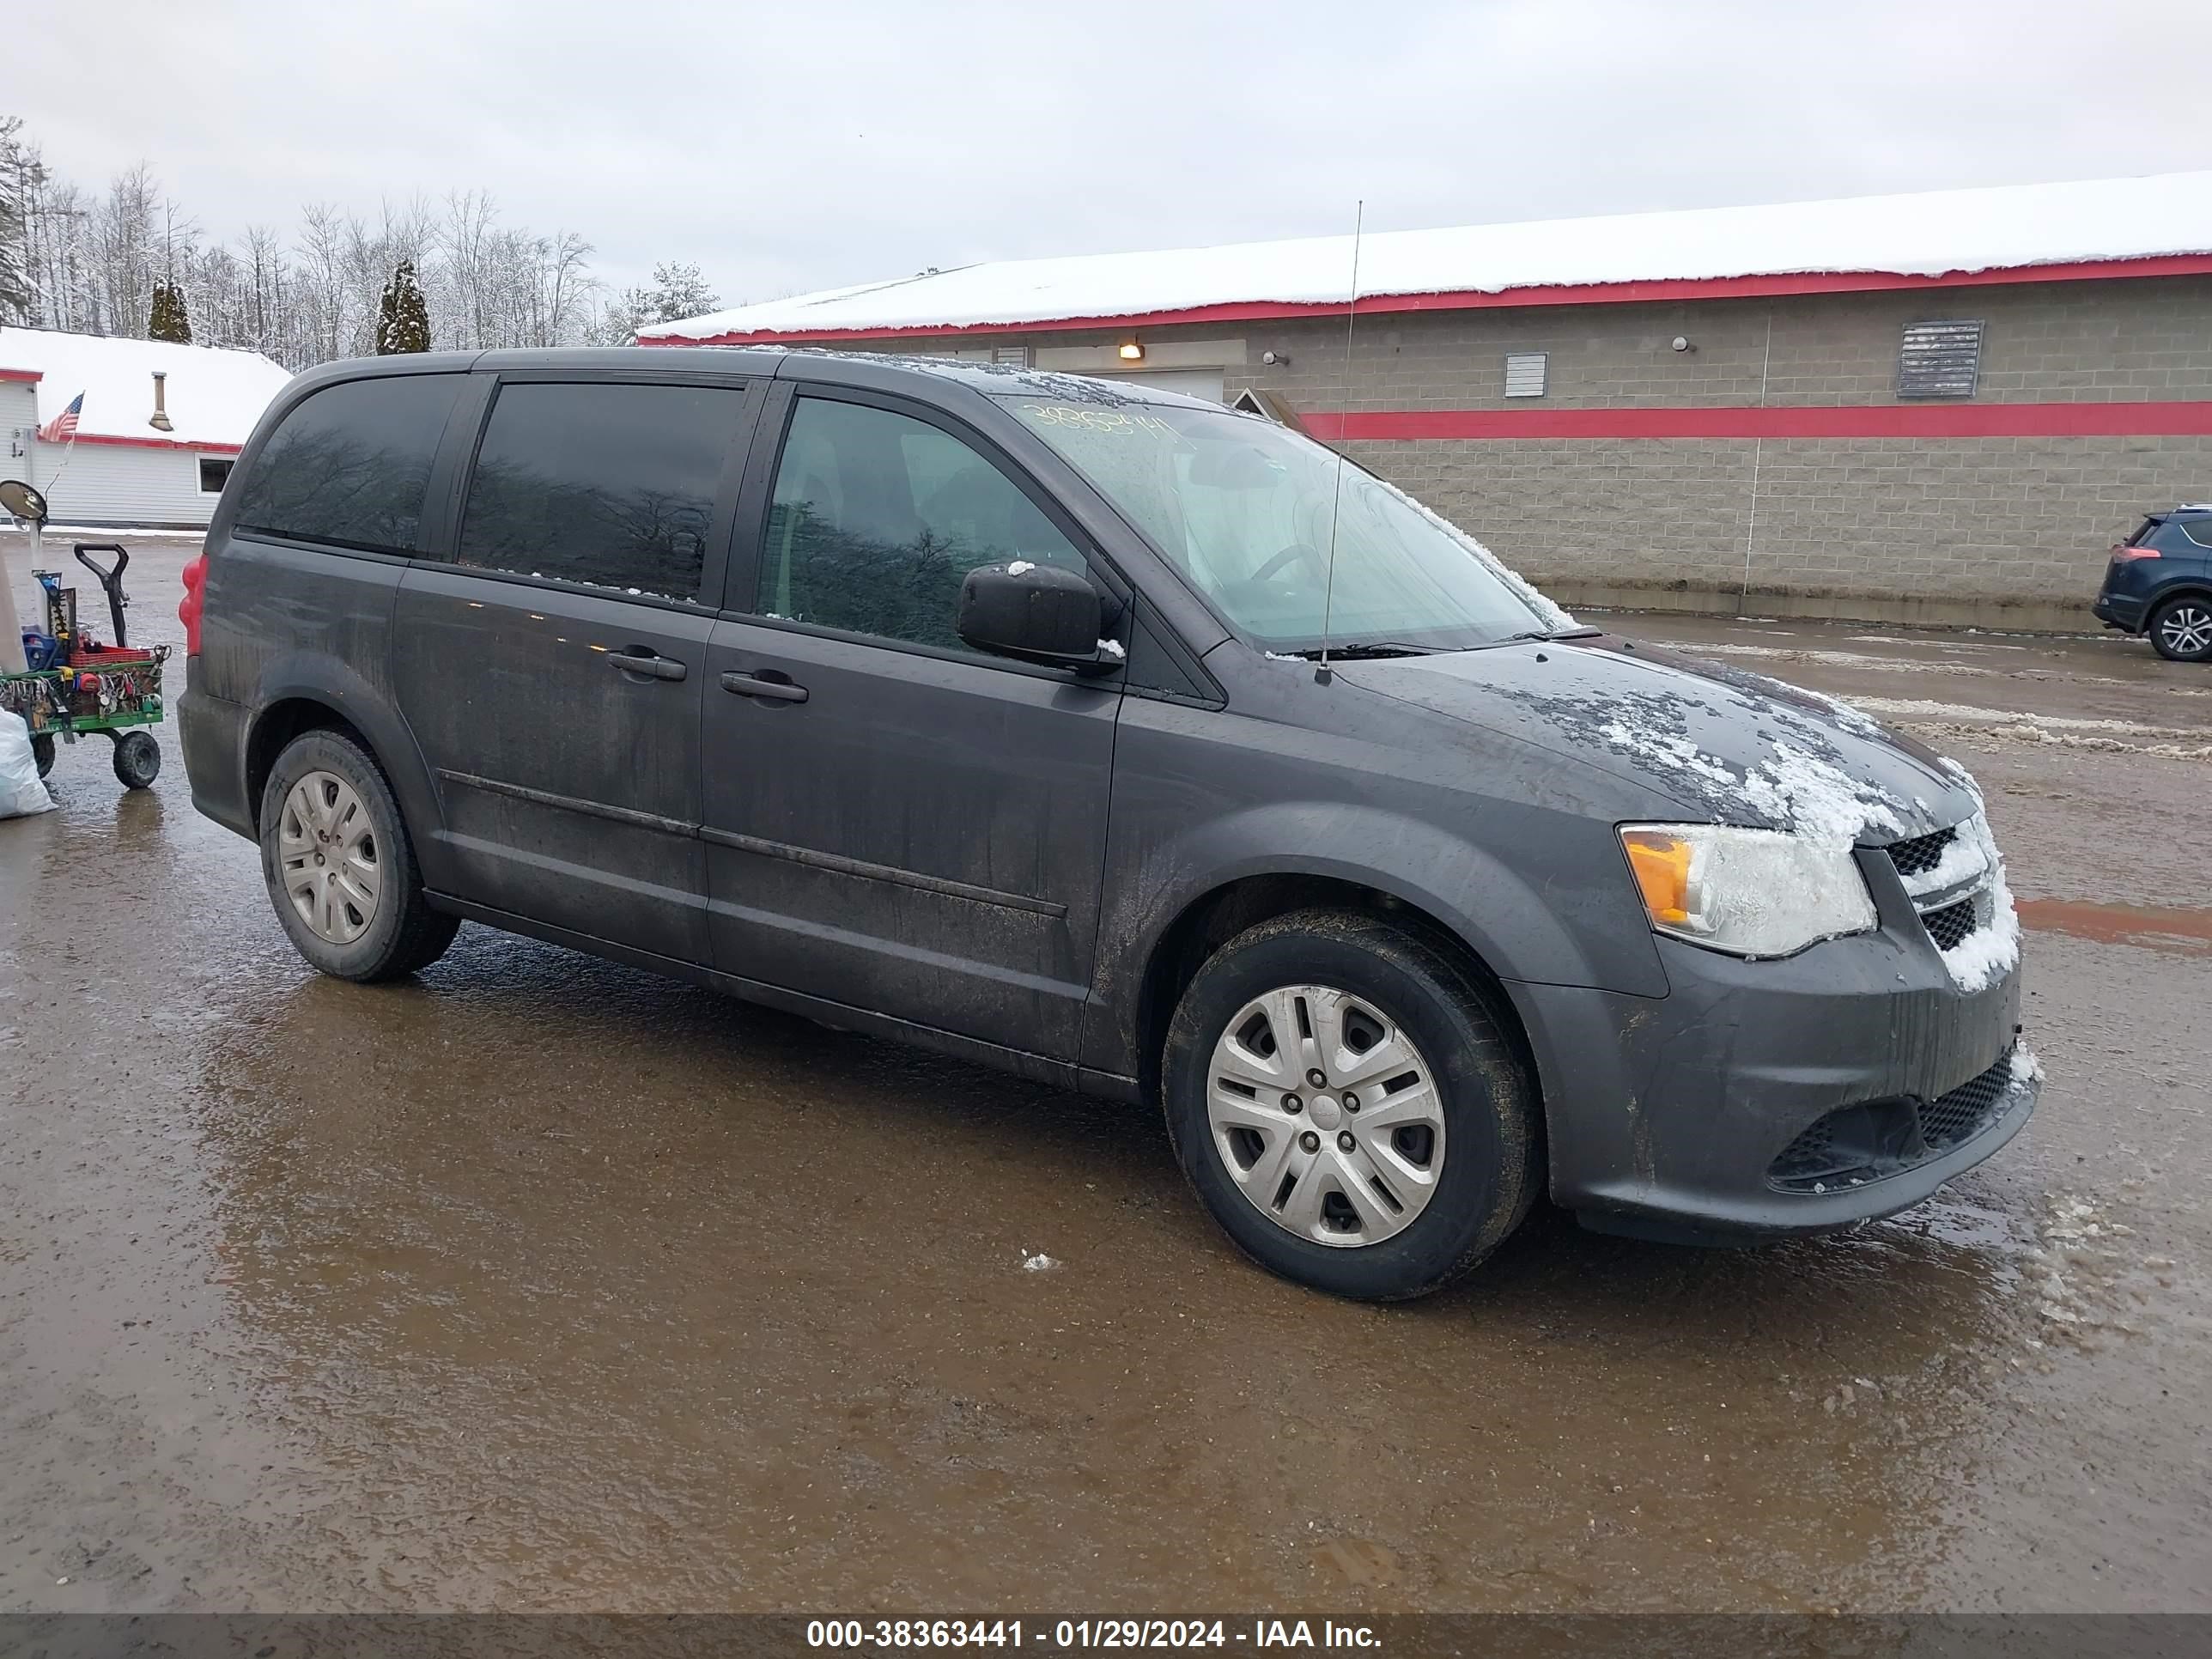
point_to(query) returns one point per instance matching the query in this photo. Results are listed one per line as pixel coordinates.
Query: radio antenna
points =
(1323, 674)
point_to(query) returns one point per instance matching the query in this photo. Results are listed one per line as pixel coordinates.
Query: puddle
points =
(2179, 932)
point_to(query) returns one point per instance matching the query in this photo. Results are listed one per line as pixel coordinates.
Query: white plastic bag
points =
(22, 791)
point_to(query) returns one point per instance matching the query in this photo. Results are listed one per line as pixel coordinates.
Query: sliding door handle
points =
(777, 687)
(647, 665)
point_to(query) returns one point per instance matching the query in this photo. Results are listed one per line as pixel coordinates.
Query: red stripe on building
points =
(156, 443)
(1829, 421)
(1773, 285)
(31, 376)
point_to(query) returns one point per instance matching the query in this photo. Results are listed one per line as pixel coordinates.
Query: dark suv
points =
(1141, 747)
(2160, 583)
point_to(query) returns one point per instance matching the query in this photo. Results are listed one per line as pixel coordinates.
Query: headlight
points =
(1750, 892)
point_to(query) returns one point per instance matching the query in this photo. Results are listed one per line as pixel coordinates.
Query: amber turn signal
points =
(1661, 865)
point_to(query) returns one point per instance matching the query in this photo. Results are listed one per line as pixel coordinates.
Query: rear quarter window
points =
(350, 464)
(2198, 531)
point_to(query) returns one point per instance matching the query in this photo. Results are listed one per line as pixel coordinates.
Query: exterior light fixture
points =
(1132, 352)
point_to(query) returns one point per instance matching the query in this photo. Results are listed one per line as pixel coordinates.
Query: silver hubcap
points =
(327, 854)
(1326, 1115)
(2186, 627)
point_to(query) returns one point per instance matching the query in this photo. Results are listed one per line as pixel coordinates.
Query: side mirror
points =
(1037, 612)
(20, 501)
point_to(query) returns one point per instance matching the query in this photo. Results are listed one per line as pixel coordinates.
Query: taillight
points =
(188, 612)
(2121, 554)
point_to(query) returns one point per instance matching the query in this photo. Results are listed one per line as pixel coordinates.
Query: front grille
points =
(1952, 1118)
(1950, 925)
(1921, 853)
(1855, 1144)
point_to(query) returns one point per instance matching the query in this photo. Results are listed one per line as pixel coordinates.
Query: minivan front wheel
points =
(2181, 629)
(1347, 1104)
(339, 867)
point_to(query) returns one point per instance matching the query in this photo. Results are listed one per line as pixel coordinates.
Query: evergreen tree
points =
(678, 291)
(403, 321)
(169, 321)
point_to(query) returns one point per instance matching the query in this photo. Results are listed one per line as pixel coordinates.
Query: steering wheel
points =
(1291, 555)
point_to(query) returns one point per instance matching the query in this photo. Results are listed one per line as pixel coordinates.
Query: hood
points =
(1729, 746)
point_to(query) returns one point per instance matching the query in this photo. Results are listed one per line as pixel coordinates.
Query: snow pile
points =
(2084, 1273)
(1926, 234)
(1819, 798)
(1992, 950)
(213, 396)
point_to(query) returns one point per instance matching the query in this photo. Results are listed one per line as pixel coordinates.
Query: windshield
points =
(1245, 508)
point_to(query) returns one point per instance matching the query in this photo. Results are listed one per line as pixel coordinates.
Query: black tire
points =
(2181, 630)
(404, 934)
(1488, 1178)
(137, 760)
(42, 752)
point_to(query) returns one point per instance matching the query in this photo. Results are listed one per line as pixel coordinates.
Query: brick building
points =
(1939, 407)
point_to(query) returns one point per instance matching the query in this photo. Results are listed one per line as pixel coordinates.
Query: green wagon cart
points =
(78, 686)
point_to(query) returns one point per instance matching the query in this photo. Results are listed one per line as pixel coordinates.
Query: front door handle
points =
(648, 664)
(777, 688)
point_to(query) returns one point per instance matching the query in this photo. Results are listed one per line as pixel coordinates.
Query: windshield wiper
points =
(1577, 632)
(1363, 652)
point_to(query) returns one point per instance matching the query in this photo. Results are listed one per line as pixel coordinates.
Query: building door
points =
(1191, 382)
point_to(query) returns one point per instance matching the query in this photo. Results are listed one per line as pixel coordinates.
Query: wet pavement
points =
(541, 1283)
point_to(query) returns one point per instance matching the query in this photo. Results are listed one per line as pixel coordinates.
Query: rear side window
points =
(2198, 531)
(348, 465)
(609, 484)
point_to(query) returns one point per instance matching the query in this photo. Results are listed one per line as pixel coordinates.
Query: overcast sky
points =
(795, 146)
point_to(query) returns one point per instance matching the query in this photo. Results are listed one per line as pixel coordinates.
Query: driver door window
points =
(876, 518)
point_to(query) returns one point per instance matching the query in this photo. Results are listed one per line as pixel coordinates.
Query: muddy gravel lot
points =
(541, 1283)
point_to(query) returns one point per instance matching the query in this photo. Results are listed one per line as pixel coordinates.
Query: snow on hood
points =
(1729, 746)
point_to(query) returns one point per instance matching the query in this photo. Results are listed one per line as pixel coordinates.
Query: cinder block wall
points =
(1994, 531)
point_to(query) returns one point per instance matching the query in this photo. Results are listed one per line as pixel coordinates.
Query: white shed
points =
(160, 426)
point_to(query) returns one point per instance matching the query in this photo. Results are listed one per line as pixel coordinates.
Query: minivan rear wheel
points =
(1345, 1102)
(339, 866)
(2181, 629)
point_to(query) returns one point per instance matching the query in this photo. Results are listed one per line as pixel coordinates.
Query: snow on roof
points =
(213, 396)
(1925, 235)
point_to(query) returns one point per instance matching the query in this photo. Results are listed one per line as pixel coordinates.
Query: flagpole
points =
(12, 660)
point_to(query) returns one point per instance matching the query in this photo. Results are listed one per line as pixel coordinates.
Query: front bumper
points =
(1686, 1117)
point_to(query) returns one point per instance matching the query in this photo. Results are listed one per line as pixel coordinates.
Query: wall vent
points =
(1940, 360)
(1014, 356)
(1524, 374)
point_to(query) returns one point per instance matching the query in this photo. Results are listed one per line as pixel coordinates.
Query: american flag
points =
(62, 427)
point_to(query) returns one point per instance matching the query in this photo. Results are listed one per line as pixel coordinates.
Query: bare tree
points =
(89, 263)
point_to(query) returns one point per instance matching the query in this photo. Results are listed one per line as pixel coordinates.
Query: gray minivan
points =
(1134, 745)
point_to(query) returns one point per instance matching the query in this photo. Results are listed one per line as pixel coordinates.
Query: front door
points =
(893, 822)
(553, 669)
